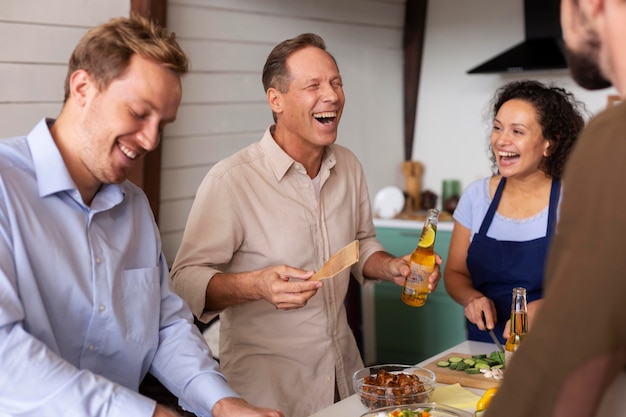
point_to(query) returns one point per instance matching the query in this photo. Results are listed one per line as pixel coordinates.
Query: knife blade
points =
(495, 340)
(493, 335)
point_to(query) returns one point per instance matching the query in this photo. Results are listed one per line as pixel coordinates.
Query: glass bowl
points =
(393, 385)
(435, 410)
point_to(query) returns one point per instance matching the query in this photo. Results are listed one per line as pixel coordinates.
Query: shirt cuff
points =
(204, 392)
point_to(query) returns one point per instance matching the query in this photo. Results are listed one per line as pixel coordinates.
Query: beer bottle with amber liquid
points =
(519, 323)
(421, 263)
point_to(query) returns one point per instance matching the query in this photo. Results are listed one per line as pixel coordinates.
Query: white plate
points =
(388, 202)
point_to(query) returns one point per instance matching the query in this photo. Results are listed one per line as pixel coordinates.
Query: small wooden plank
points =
(342, 259)
(448, 376)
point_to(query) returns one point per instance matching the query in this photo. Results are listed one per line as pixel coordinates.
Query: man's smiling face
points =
(313, 104)
(124, 121)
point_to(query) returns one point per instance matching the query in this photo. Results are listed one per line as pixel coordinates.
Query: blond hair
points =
(105, 51)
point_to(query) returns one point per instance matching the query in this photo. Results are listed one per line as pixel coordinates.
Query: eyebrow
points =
(495, 119)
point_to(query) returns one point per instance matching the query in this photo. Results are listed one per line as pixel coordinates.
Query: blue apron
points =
(496, 266)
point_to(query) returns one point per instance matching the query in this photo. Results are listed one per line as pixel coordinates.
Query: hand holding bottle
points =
(422, 263)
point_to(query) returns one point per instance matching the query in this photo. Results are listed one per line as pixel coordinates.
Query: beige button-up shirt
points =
(259, 208)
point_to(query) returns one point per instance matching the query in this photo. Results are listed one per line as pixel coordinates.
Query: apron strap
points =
(555, 195)
(492, 208)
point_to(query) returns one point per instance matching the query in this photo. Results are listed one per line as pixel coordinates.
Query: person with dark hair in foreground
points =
(576, 349)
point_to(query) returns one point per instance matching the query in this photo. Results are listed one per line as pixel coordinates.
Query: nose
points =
(500, 137)
(150, 135)
(329, 93)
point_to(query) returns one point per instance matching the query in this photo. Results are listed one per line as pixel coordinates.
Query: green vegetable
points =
(497, 357)
(473, 365)
(461, 366)
(469, 362)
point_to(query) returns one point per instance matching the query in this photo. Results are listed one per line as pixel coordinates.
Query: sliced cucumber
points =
(455, 359)
(469, 362)
(443, 364)
(472, 371)
(461, 366)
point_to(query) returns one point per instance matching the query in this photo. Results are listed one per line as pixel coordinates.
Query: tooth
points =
(128, 152)
(325, 114)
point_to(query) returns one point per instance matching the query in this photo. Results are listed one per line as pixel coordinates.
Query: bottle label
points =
(419, 273)
(415, 290)
(507, 356)
(417, 281)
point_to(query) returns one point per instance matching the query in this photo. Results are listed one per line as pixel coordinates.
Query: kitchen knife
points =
(493, 335)
(496, 341)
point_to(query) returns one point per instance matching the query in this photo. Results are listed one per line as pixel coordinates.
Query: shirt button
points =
(91, 348)
(98, 260)
(101, 307)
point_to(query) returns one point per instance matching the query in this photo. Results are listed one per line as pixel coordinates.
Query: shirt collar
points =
(52, 174)
(51, 171)
(280, 161)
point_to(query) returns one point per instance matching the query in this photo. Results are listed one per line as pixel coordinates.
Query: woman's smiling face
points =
(517, 139)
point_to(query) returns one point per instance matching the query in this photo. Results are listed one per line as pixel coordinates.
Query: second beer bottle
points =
(519, 323)
(421, 263)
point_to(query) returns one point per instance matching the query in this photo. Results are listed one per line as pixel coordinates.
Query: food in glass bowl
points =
(388, 385)
(418, 410)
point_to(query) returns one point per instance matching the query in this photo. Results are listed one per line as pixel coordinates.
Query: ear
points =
(81, 84)
(546, 149)
(275, 100)
(593, 7)
(596, 6)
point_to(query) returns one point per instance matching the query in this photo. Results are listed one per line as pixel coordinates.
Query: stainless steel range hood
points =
(543, 47)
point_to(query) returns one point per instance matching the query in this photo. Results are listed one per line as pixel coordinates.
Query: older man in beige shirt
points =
(263, 220)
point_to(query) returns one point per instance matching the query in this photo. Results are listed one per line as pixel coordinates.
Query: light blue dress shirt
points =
(86, 307)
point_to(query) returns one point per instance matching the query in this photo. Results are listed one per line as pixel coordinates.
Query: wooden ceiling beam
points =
(413, 43)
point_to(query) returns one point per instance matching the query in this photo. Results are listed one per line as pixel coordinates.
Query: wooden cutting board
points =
(448, 376)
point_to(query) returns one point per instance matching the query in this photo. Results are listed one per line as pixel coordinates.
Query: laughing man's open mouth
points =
(325, 118)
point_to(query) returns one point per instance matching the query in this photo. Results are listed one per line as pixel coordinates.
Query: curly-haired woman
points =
(503, 223)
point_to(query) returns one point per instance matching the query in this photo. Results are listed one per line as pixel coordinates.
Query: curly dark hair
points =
(559, 113)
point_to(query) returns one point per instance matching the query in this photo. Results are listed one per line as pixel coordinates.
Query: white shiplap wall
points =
(224, 106)
(37, 39)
